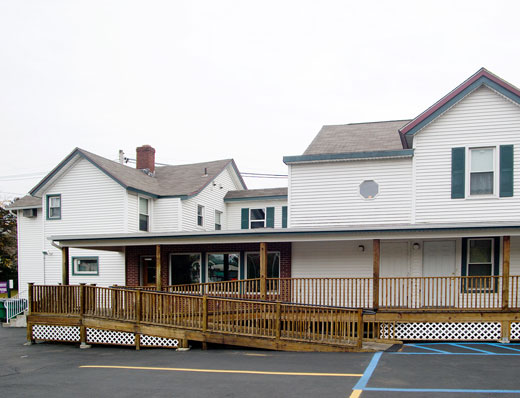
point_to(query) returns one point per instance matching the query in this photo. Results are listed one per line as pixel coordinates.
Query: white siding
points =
(331, 259)
(30, 247)
(327, 194)
(166, 214)
(483, 118)
(132, 214)
(514, 267)
(212, 198)
(234, 211)
(91, 204)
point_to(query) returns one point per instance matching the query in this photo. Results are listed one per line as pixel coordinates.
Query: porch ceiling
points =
(355, 232)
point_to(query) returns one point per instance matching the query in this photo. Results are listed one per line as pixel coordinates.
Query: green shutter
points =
(284, 217)
(506, 170)
(458, 173)
(269, 222)
(245, 218)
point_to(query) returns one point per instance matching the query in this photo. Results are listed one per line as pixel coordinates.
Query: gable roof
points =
(169, 181)
(27, 202)
(482, 77)
(248, 194)
(357, 137)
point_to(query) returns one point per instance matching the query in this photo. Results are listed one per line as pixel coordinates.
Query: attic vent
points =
(30, 213)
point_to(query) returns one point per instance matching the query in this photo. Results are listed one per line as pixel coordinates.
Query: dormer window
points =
(482, 171)
(144, 214)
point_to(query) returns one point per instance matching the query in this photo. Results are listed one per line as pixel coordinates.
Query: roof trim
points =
(289, 231)
(482, 77)
(349, 156)
(272, 197)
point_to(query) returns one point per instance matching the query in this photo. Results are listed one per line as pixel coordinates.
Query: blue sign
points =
(3, 287)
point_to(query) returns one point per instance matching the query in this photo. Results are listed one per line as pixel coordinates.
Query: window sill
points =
(482, 197)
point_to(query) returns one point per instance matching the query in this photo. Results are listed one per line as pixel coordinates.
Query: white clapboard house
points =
(415, 219)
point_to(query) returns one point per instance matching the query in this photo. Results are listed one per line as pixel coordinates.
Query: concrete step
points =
(18, 322)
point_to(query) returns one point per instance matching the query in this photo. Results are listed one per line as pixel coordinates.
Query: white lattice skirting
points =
(55, 333)
(514, 332)
(99, 336)
(441, 331)
(153, 341)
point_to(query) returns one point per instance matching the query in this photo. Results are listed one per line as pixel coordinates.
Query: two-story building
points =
(417, 214)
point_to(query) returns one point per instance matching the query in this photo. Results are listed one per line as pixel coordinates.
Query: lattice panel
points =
(514, 332)
(441, 331)
(56, 333)
(100, 336)
(154, 341)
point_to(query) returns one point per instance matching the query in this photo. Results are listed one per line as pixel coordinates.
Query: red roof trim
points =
(435, 107)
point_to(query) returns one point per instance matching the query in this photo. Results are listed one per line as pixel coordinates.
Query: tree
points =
(8, 245)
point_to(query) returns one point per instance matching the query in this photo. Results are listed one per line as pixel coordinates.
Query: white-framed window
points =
(257, 218)
(54, 207)
(482, 171)
(480, 257)
(200, 215)
(222, 267)
(369, 189)
(85, 265)
(218, 220)
(144, 214)
(253, 265)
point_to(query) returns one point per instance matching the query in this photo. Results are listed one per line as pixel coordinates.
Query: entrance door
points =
(395, 259)
(394, 268)
(438, 267)
(148, 269)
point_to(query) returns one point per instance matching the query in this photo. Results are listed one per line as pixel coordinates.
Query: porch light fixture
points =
(361, 248)
(416, 246)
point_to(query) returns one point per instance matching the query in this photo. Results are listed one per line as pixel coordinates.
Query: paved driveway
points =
(420, 370)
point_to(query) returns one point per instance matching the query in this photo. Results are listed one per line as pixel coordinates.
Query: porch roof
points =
(116, 241)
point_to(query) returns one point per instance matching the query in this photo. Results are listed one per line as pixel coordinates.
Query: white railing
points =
(15, 305)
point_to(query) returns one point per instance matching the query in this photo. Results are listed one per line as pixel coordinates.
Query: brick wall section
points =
(133, 254)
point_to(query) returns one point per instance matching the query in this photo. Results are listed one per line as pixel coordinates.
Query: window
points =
(480, 257)
(53, 207)
(253, 265)
(200, 216)
(257, 218)
(144, 216)
(368, 189)
(223, 267)
(185, 268)
(85, 266)
(482, 171)
(218, 220)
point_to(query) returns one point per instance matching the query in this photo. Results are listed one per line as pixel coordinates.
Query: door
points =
(439, 289)
(394, 269)
(148, 270)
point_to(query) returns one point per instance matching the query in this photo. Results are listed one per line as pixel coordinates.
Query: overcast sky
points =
(206, 80)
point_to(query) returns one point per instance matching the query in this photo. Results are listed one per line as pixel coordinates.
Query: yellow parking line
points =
(254, 372)
(356, 394)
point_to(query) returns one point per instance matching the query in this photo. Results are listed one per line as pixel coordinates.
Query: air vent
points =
(30, 213)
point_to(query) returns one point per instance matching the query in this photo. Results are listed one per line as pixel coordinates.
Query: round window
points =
(368, 189)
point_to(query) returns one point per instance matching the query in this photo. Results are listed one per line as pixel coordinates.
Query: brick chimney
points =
(145, 158)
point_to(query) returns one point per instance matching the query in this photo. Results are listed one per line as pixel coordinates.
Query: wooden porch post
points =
(158, 277)
(65, 266)
(263, 271)
(505, 271)
(375, 267)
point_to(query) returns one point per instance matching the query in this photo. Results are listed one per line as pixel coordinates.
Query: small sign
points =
(3, 287)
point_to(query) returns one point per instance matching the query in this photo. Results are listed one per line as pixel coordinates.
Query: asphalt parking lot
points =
(416, 370)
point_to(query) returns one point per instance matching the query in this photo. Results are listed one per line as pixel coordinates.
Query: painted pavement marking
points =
(255, 372)
(365, 377)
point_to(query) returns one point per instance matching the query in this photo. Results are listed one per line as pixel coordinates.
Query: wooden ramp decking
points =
(240, 322)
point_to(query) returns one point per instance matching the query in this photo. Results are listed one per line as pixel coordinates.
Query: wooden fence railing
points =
(242, 317)
(464, 293)
(450, 292)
